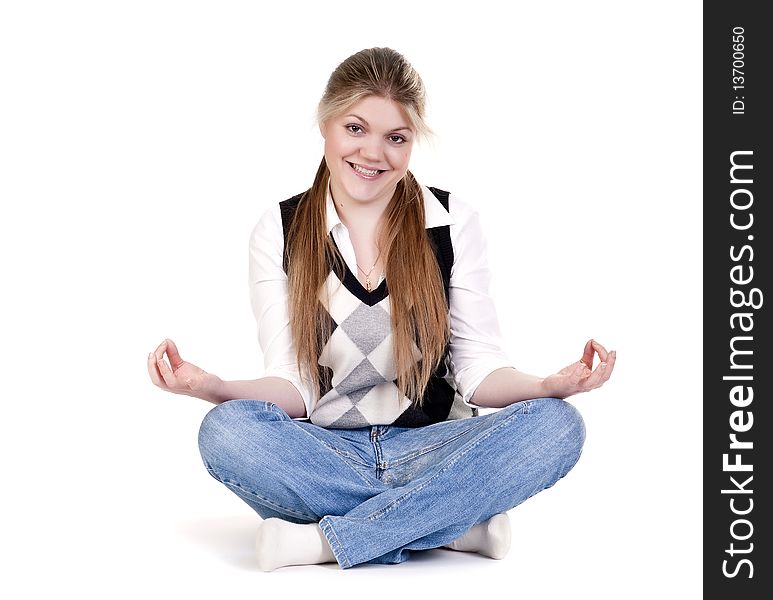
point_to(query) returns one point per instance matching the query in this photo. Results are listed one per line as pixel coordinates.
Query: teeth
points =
(366, 172)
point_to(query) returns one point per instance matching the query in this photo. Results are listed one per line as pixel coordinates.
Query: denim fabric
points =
(380, 492)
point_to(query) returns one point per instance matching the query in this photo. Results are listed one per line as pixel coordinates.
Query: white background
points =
(140, 142)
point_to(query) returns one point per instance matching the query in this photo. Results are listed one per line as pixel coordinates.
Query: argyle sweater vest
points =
(358, 356)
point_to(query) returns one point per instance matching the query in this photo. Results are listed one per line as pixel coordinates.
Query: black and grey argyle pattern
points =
(358, 356)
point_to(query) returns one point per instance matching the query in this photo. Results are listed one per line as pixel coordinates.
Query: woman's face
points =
(367, 150)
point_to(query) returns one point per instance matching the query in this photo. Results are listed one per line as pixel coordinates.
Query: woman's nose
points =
(372, 149)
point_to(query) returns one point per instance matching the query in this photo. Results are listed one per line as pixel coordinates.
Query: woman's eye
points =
(397, 139)
(354, 128)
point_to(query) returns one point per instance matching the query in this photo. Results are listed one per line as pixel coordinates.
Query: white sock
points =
(280, 543)
(490, 538)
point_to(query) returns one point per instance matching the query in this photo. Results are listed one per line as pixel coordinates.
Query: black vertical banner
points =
(737, 227)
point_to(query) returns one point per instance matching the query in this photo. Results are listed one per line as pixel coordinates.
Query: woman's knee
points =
(565, 427)
(222, 431)
(550, 431)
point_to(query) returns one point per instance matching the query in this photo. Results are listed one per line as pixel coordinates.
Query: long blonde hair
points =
(417, 299)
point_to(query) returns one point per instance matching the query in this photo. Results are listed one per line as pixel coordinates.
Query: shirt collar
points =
(332, 216)
(434, 213)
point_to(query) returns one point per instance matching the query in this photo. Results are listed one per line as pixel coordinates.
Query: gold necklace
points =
(368, 284)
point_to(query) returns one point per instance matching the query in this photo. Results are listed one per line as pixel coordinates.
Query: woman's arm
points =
(475, 345)
(507, 386)
(181, 377)
(271, 389)
(269, 300)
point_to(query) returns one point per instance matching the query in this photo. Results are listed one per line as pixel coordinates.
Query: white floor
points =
(557, 552)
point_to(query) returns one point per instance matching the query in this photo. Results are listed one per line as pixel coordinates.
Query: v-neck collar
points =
(352, 283)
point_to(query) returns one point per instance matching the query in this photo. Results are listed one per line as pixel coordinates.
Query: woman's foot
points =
(490, 538)
(281, 543)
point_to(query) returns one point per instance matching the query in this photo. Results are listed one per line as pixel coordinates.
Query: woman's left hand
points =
(579, 376)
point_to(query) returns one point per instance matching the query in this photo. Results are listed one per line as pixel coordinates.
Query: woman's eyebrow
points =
(359, 117)
(367, 125)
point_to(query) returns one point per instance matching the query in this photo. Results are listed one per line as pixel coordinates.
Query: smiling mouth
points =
(363, 172)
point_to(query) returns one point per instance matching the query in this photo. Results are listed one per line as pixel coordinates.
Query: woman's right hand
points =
(179, 376)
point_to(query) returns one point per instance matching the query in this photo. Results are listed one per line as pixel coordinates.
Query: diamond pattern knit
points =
(358, 355)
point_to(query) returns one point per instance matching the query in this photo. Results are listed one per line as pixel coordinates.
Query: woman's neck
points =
(363, 217)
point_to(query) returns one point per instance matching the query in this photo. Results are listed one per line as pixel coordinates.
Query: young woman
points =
(363, 442)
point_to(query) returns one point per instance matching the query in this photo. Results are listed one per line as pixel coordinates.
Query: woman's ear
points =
(323, 129)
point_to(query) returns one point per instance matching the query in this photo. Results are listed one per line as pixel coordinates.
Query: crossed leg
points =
(284, 471)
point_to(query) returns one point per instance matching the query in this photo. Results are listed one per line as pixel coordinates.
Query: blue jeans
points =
(380, 492)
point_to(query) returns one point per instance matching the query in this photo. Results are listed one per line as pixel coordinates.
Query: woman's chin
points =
(368, 192)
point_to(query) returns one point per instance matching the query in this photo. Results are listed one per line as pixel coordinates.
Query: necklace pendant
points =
(367, 283)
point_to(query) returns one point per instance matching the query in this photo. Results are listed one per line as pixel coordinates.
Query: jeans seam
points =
(276, 409)
(343, 459)
(408, 457)
(381, 512)
(345, 454)
(261, 499)
(524, 409)
(335, 544)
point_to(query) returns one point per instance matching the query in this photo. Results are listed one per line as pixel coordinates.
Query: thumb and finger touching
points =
(161, 373)
(174, 354)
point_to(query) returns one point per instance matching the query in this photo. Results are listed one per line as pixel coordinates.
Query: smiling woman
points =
(362, 442)
(367, 152)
